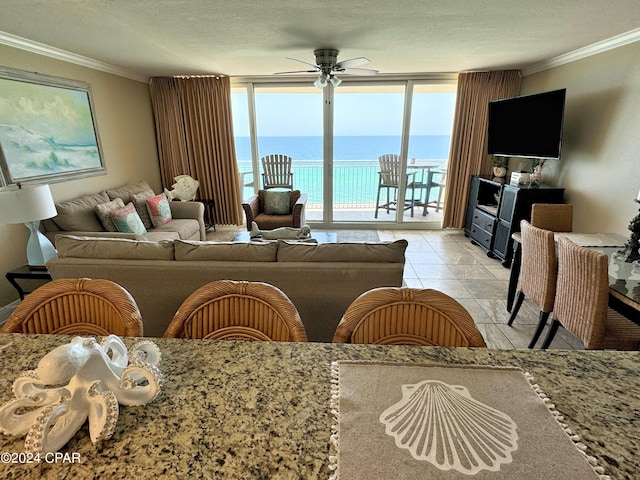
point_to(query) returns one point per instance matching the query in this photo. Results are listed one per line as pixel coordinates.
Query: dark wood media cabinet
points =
(494, 211)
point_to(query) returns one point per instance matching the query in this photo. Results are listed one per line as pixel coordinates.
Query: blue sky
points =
(300, 114)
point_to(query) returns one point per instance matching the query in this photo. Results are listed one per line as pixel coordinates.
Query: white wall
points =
(125, 124)
(600, 164)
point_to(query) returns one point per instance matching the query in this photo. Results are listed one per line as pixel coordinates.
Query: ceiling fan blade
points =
(352, 62)
(306, 63)
(360, 71)
(296, 71)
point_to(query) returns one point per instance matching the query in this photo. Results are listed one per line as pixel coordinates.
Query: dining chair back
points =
(77, 306)
(408, 316)
(538, 274)
(557, 217)
(389, 180)
(276, 171)
(582, 298)
(237, 310)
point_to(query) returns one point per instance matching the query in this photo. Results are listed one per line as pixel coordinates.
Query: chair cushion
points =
(159, 210)
(104, 213)
(127, 220)
(376, 252)
(277, 201)
(113, 248)
(193, 250)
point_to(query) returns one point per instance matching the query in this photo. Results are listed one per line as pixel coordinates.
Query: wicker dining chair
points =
(557, 217)
(582, 298)
(408, 316)
(276, 171)
(538, 274)
(77, 306)
(237, 310)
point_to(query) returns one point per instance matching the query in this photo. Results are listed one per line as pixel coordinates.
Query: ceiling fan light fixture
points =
(321, 81)
(335, 81)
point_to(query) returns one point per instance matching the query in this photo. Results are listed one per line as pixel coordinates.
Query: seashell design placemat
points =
(473, 422)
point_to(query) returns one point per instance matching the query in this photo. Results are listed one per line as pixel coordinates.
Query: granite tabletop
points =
(257, 410)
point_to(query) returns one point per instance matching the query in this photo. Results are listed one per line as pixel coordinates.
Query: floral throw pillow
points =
(127, 220)
(159, 210)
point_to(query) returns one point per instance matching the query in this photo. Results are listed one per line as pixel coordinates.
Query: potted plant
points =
(499, 166)
(537, 164)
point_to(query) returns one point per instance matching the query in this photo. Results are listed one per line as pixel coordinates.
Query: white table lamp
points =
(29, 204)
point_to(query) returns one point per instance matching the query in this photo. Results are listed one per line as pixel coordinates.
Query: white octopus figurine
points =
(76, 381)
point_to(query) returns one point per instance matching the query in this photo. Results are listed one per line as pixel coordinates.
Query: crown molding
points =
(52, 52)
(588, 51)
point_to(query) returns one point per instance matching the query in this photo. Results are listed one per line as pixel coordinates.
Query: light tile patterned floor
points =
(447, 261)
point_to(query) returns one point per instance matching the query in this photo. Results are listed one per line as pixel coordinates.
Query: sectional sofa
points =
(88, 215)
(321, 279)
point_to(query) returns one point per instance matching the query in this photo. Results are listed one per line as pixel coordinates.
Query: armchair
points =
(255, 212)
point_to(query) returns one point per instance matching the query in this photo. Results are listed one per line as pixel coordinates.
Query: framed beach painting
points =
(48, 132)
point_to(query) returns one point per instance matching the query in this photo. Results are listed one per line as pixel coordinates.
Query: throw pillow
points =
(124, 192)
(159, 210)
(140, 202)
(127, 220)
(277, 201)
(104, 213)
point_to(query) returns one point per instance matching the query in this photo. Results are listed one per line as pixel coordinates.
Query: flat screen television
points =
(527, 126)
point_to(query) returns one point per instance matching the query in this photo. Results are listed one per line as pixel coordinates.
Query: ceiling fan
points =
(327, 65)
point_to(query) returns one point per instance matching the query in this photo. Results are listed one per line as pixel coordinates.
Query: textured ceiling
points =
(231, 37)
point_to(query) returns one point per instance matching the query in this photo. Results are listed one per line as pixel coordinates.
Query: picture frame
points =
(48, 131)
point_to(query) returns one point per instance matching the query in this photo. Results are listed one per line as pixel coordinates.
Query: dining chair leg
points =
(516, 307)
(544, 316)
(552, 333)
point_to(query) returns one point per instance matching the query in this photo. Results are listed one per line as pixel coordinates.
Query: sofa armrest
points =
(251, 209)
(299, 210)
(190, 210)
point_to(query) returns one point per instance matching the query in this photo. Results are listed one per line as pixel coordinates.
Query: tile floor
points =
(447, 261)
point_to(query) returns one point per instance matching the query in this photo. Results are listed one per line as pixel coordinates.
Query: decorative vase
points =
(499, 172)
(535, 179)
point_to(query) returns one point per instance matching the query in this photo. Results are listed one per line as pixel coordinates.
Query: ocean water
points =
(355, 175)
(364, 147)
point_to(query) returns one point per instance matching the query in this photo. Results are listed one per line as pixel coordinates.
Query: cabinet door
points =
(508, 204)
(502, 240)
(471, 203)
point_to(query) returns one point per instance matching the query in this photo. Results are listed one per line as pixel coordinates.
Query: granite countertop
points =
(261, 410)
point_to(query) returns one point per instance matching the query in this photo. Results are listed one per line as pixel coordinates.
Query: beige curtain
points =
(468, 154)
(195, 137)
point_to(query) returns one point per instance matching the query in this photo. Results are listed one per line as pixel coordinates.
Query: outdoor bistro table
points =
(262, 410)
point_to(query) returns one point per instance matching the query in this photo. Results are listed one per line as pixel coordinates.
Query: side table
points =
(209, 212)
(26, 273)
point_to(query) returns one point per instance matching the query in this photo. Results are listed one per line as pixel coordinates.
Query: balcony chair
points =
(538, 274)
(276, 171)
(407, 316)
(582, 297)
(237, 310)
(434, 184)
(257, 209)
(389, 180)
(77, 306)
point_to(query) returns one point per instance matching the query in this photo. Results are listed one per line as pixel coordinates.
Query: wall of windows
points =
(335, 136)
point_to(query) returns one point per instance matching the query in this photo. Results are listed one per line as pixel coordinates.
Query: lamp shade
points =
(26, 204)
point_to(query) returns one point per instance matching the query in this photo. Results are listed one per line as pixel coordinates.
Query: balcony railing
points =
(355, 182)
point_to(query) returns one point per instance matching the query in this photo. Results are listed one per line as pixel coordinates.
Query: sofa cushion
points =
(185, 228)
(159, 210)
(80, 214)
(193, 250)
(277, 201)
(104, 213)
(126, 191)
(127, 220)
(113, 248)
(140, 202)
(368, 252)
